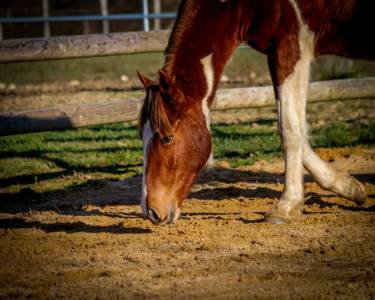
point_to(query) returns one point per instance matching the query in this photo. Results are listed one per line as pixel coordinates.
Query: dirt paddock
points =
(93, 243)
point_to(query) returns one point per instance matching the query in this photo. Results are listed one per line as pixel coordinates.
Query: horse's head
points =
(176, 145)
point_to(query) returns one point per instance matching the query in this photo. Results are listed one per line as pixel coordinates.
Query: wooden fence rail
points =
(321, 91)
(82, 46)
(128, 109)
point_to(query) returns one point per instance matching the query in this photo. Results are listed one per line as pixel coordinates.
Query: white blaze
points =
(147, 135)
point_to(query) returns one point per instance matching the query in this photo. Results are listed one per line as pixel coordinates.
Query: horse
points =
(174, 119)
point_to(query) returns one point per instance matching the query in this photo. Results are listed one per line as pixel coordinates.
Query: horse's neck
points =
(198, 69)
(196, 55)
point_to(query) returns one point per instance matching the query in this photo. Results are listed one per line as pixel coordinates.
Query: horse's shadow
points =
(316, 199)
(235, 192)
(262, 192)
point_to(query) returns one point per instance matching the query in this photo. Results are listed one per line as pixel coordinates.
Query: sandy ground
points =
(93, 243)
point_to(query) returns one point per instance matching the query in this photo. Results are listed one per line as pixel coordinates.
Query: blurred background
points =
(49, 18)
(24, 18)
(47, 162)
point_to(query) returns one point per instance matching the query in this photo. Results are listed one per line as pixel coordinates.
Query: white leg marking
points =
(208, 71)
(292, 104)
(147, 135)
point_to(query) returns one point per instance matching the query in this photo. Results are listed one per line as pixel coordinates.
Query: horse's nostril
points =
(154, 216)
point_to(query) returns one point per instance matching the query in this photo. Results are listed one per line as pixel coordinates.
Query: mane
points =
(154, 108)
(185, 15)
(154, 111)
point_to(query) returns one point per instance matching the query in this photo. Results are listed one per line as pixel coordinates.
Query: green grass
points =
(97, 68)
(242, 144)
(104, 152)
(53, 161)
(343, 134)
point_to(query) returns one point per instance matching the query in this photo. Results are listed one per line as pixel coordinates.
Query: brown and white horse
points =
(174, 119)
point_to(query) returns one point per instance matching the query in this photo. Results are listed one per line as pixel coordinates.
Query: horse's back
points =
(349, 27)
(360, 30)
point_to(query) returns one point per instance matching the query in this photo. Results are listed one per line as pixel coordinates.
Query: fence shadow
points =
(17, 223)
(72, 200)
(23, 123)
(12, 124)
(68, 170)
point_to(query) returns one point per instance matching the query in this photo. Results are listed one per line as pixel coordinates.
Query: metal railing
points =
(105, 17)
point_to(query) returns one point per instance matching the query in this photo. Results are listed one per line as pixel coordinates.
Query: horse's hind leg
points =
(330, 179)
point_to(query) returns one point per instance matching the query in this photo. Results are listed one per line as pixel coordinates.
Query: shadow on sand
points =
(17, 223)
(73, 201)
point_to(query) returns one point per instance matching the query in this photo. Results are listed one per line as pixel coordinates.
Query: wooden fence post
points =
(47, 30)
(146, 21)
(104, 11)
(157, 10)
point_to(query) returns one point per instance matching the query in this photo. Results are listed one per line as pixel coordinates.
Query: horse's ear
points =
(165, 82)
(145, 80)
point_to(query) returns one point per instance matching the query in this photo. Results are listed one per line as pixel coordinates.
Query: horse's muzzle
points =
(156, 218)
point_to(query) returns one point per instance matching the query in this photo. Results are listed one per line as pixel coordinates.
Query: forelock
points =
(154, 111)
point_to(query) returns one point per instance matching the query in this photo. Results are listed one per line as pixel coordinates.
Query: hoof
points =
(354, 190)
(359, 193)
(276, 220)
(284, 212)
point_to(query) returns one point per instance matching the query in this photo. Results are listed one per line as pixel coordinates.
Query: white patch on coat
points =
(208, 71)
(297, 10)
(147, 136)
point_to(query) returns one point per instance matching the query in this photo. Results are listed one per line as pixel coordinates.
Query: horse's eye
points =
(166, 140)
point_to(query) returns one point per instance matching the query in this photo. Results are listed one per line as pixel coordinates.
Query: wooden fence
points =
(128, 109)
(105, 16)
(82, 46)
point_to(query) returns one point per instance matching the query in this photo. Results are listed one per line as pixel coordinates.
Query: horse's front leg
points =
(289, 67)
